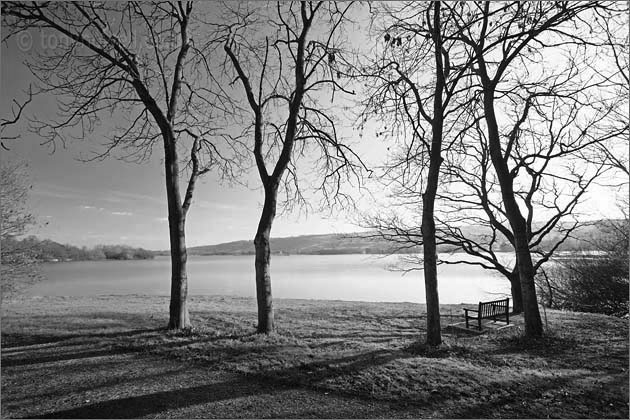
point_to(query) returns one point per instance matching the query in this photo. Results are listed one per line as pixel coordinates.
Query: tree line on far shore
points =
(45, 250)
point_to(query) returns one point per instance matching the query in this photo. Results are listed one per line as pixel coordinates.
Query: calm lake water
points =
(344, 277)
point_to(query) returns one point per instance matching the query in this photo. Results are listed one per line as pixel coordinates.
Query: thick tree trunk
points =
(178, 312)
(429, 247)
(434, 335)
(533, 321)
(263, 261)
(179, 318)
(517, 295)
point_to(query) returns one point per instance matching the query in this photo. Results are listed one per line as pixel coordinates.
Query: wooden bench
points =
(490, 310)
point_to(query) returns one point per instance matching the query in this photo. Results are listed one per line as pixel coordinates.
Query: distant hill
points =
(365, 243)
(349, 243)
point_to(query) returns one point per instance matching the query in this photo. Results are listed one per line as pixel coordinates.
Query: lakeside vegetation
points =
(45, 250)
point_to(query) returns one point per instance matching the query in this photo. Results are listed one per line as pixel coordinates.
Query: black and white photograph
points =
(315, 209)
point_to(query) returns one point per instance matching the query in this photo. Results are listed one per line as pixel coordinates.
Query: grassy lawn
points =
(110, 357)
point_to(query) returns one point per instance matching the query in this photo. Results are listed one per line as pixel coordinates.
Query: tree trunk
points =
(549, 289)
(434, 336)
(533, 321)
(263, 261)
(178, 309)
(517, 295)
(179, 318)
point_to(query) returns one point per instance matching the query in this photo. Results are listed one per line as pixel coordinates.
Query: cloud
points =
(217, 206)
(91, 208)
(101, 209)
(112, 199)
(115, 196)
(122, 213)
(45, 189)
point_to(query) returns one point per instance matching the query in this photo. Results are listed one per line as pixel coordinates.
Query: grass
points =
(327, 359)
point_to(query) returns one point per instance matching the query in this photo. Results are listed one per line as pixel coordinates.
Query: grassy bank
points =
(328, 359)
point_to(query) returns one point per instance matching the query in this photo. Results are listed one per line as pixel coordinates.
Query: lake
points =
(342, 277)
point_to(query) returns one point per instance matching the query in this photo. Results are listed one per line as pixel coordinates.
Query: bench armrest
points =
(471, 310)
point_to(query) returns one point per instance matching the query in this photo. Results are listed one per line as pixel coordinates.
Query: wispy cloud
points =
(217, 206)
(55, 191)
(101, 209)
(84, 207)
(120, 196)
(45, 189)
(111, 199)
(122, 213)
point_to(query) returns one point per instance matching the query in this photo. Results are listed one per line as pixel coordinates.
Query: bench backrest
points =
(495, 307)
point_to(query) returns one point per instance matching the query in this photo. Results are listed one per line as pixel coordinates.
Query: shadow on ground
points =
(321, 363)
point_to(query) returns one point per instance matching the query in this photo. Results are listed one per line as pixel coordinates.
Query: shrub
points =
(587, 283)
(591, 282)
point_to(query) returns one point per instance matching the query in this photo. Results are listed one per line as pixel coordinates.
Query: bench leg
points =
(479, 322)
(466, 322)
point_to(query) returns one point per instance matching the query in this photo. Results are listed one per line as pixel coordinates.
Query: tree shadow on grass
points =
(556, 349)
(543, 397)
(16, 341)
(151, 404)
(101, 383)
(503, 398)
(8, 362)
(261, 383)
(313, 375)
(149, 340)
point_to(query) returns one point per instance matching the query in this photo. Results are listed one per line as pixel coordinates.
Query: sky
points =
(112, 202)
(116, 202)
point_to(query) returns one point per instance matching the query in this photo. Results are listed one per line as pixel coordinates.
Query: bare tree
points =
(552, 179)
(136, 65)
(550, 125)
(612, 27)
(14, 211)
(412, 86)
(500, 35)
(17, 110)
(18, 261)
(285, 59)
(16, 218)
